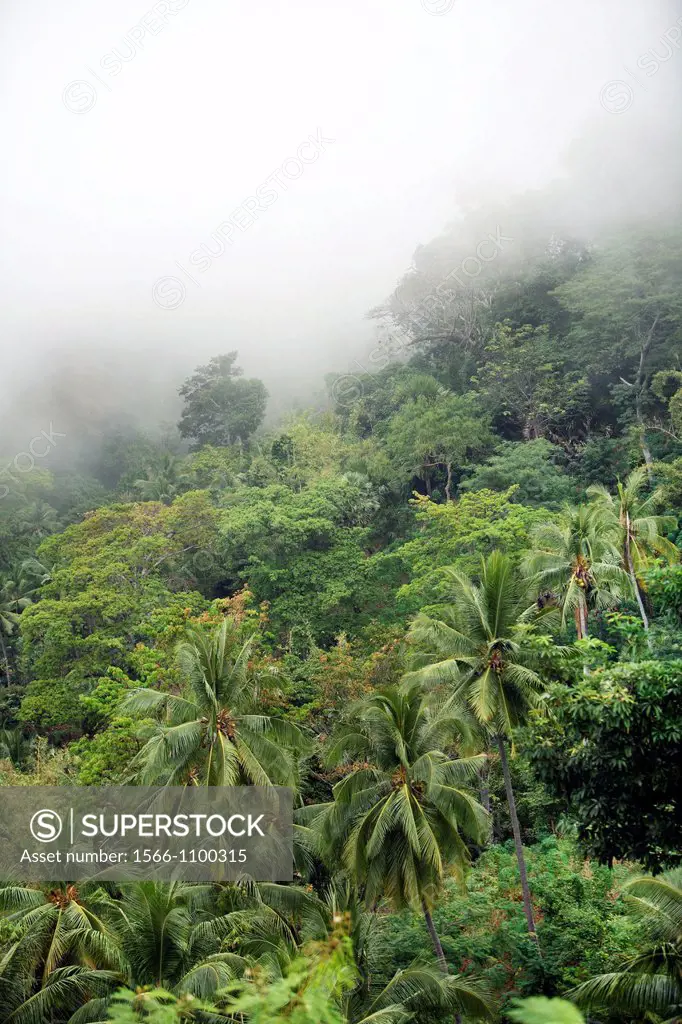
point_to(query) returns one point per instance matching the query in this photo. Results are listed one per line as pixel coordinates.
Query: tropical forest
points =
(442, 603)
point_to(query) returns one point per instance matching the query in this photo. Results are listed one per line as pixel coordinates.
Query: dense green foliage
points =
(622, 729)
(445, 609)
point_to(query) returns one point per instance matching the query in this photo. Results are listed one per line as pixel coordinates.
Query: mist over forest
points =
(341, 455)
(426, 132)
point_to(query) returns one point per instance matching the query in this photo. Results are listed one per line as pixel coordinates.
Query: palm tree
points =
(398, 811)
(32, 576)
(212, 734)
(8, 622)
(479, 648)
(639, 529)
(16, 745)
(279, 921)
(164, 481)
(171, 936)
(167, 935)
(16, 595)
(577, 560)
(62, 954)
(13, 599)
(37, 521)
(649, 982)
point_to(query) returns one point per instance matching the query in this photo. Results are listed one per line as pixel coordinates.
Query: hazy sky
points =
(117, 166)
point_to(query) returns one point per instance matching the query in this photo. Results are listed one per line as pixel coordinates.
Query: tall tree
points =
(213, 733)
(436, 434)
(576, 561)
(625, 300)
(526, 383)
(280, 921)
(170, 935)
(221, 407)
(398, 810)
(640, 529)
(479, 650)
(15, 595)
(63, 953)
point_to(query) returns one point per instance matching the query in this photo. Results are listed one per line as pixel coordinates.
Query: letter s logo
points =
(46, 826)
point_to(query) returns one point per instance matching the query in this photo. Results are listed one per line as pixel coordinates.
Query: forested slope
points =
(454, 595)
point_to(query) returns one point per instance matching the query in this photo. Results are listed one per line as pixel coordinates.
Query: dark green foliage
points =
(533, 468)
(539, 811)
(650, 981)
(582, 925)
(664, 587)
(220, 406)
(287, 546)
(10, 702)
(610, 746)
(605, 460)
(527, 383)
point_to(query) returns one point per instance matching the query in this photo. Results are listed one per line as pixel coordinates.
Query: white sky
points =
(425, 111)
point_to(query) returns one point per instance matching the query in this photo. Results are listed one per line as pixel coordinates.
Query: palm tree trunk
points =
(525, 889)
(583, 631)
(484, 795)
(640, 603)
(5, 658)
(484, 792)
(580, 616)
(633, 577)
(437, 948)
(581, 627)
(645, 346)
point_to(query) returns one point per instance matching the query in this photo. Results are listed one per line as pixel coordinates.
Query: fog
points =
(132, 136)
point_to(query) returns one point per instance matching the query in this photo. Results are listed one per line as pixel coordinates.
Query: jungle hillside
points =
(442, 602)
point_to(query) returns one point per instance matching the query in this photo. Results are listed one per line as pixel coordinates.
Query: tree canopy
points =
(442, 604)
